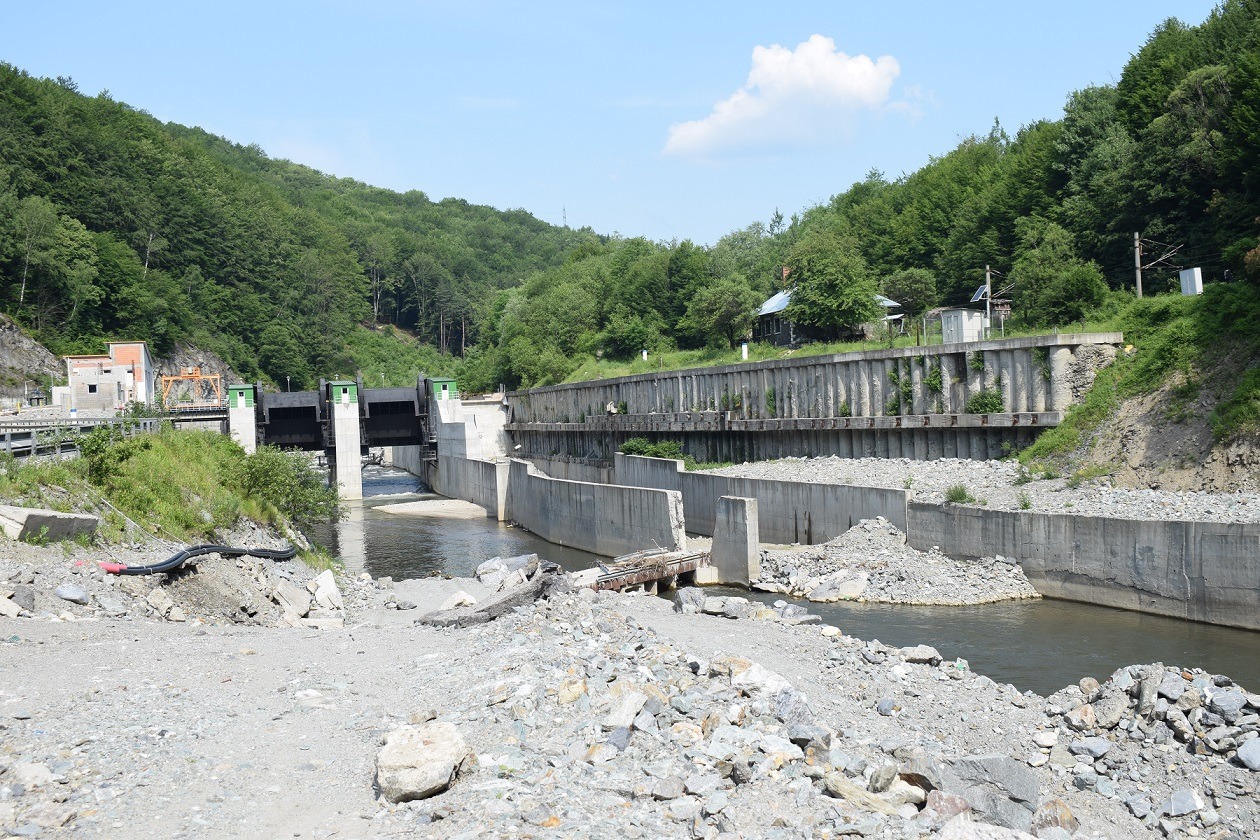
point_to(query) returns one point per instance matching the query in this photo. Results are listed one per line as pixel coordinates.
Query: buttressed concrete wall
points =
(787, 511)
(907, 402)
(1202, 571)
(609, 520)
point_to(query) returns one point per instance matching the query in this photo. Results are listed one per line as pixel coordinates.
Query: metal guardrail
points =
(22, 438)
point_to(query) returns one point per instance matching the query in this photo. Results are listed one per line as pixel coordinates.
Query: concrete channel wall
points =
(1202, 571)
(787, 511)
(603, 519)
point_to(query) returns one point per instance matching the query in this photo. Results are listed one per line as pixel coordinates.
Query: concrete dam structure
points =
(975, 400)
(566, 482)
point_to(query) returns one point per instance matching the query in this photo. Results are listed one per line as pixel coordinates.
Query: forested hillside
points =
(113, 224)
(118, 225)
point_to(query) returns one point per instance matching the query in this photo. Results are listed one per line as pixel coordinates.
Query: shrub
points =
(285, 480)
(988, 401)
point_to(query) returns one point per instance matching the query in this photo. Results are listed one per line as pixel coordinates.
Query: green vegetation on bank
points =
(1209, 343)
(180, 485)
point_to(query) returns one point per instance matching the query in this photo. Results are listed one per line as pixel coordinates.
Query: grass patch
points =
(183, 485)
(959, 495)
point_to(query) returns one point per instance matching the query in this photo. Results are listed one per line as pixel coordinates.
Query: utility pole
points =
(988, 297)
(1137, 260)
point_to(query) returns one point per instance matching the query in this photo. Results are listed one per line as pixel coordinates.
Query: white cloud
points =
(792, 97)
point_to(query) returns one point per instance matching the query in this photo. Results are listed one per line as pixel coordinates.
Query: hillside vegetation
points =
(121, 225)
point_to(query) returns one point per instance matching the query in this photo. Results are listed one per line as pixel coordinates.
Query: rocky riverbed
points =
(579, 715)
(1004, 485)
(871, 563)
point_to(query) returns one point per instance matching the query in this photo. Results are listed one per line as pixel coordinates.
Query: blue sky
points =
(682, 120)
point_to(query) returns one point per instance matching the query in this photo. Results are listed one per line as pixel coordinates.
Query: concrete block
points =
(736, 552)
(26, 523)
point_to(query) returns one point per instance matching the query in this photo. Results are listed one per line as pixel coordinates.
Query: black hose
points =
(180, 557)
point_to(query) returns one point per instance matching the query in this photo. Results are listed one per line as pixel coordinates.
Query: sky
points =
(682, 120)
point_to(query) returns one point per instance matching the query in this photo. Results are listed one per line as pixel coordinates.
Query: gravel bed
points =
(871, 563)
(613, 716)
(996, 484)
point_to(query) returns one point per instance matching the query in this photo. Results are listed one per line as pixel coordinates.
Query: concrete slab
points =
(20, 523)
(438, 508)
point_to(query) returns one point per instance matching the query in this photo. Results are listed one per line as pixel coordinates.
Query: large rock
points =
(28, 524)
(842, 586)
(962, 828)
(1249, 754)
(420, 761)
(324, 588)
(689, 600)
(292, 598)
(71, 592)
(998, 788)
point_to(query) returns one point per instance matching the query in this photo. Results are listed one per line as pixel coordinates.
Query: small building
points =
(110, 381)
(960, 324)
(444, 389)
(773, 328)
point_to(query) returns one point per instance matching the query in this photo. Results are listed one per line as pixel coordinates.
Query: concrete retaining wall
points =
(1035, 374)
(1202, 571)
(574, 469)
(787, 511)
(909, 402)
(604, 519)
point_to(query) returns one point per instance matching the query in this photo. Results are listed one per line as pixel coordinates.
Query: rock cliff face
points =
(22, 359)
(186, 356)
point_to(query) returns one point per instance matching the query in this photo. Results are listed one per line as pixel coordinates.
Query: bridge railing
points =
(23, 438)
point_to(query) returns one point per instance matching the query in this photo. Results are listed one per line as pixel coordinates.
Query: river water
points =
(1040, 646)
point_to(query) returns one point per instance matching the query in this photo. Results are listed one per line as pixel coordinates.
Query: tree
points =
(722, 308)
(832, 288)
(36, 224)
(1052, 284)
(913, 288)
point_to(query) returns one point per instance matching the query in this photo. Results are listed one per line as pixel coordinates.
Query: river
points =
(1035, 645)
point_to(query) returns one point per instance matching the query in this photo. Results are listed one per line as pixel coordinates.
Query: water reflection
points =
(399, 546)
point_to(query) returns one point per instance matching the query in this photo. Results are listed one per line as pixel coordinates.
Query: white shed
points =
(962, 325)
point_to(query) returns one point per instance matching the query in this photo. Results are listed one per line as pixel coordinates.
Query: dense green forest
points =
(115, 224)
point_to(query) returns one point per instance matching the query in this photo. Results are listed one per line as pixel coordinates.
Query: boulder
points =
(71, 592)
(1249, 754)
(24, 597)
(962, 828)
(1054, 813)
(324, 588)
(420, 761)
(997, 787)
(161, 601)
(841, 586)
(689, 600)
(921, 655)
(458, 599)
(291, 598)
